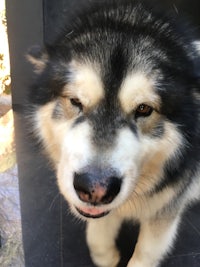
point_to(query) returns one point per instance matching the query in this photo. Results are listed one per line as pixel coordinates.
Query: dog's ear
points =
(38, 57)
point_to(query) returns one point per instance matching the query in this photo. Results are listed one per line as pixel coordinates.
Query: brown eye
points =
(76, 102)
(143, 110)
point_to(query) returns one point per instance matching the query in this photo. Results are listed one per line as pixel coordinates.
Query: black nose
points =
(96, 189)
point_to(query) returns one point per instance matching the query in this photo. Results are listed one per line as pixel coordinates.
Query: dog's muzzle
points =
(96, 189)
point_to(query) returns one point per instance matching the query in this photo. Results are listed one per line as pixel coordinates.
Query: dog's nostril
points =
(82, 186)
(113, 189)
(94, 190)
(85, 197)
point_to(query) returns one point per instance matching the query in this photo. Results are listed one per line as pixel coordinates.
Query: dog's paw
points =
(110, 258)
(136, 264)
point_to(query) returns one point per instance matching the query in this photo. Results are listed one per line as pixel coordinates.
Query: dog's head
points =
(113, 105)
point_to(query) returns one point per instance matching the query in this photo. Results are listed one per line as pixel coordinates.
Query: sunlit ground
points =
(7, 153)
(11, 249)
(4, 51)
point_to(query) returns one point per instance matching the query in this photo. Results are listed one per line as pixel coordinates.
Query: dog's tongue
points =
(92, 211)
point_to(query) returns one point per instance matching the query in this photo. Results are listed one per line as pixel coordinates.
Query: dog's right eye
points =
(76, 102)
(143, 110)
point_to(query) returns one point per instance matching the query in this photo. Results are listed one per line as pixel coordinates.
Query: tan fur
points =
(137, 89)
(85, 84)
(70, 111)
(51, 133)
(147, 125)
(161, 150)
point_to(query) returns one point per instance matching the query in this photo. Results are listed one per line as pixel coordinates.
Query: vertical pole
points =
(40, 201)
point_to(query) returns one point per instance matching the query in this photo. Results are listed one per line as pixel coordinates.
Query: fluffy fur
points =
(116, 106)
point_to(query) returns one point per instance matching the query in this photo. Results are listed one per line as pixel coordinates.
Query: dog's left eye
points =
(76, 102)
(143, 110)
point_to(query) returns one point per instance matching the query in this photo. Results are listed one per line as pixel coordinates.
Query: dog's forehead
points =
(86, 82)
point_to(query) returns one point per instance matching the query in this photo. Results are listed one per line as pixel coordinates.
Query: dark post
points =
(40, 201)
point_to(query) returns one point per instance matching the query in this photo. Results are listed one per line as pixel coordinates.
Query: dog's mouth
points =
(92, 212)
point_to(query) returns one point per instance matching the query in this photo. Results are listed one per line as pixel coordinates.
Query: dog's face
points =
(109, 114)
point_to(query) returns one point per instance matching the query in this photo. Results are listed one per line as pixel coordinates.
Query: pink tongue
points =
(91, 211)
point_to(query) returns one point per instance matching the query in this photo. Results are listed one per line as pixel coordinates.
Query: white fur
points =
(76, 154)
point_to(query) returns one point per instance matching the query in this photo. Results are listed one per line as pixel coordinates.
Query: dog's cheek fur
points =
(155, 153)
(50, 132)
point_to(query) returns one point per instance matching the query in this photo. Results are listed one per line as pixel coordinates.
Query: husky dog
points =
(116, 105)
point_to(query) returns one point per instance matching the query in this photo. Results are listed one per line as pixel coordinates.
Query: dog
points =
(116, 106)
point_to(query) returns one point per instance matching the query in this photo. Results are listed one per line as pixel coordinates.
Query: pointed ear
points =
(38, 57)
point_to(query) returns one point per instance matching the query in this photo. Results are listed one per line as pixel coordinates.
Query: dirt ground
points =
(7, 145)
